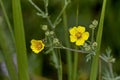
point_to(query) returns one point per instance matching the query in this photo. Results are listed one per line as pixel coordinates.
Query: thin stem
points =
(37, 8)
(50, 22)
(74, 50)
(46, 6)
(79, 51)
(58, 63)
(47, 16)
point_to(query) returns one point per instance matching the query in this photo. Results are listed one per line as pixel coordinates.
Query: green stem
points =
(68, 53)
(50, 22)
(7, 52)
(60, 65)
(75, 53)
(94, 68)
(37, 8)
(20, 41)
(57, 60)
(74, 50)
(7, 19)
(75, 66)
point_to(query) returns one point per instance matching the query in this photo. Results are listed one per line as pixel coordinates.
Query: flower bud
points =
(44, 27)
(55, 41)
(51, 32)
(47, 33)
(87, 48)
(94, 44)
(92, 26)
(95, 22)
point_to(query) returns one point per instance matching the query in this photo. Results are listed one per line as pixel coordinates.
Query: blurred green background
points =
(88, 11)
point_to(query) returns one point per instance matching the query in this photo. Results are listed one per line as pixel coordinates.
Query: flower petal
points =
(73, 30)
(73, 38)
(80, 42)
(85, 35)
(81, 29)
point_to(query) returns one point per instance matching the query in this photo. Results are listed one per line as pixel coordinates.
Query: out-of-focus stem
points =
(68, 53)
(75, 64)
(7, 52)
(7, 20)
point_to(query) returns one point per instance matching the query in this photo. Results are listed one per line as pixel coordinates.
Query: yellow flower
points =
(37, 46)
(78, 35)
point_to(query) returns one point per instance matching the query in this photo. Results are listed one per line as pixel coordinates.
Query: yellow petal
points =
(35, 51)
(85, 35)
(73, 31)
(81, 29)
(80, 42)
(32, 41)
(73, 38)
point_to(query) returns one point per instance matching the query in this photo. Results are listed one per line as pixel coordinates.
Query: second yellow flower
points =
(78, 35)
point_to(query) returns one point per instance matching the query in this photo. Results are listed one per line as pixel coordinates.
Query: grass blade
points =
(20, 41)
(94, 68)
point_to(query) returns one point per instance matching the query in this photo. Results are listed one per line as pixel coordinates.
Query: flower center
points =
(78, 35)
(38, 45)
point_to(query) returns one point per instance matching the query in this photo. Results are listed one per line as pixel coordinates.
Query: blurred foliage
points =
(88, 11)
